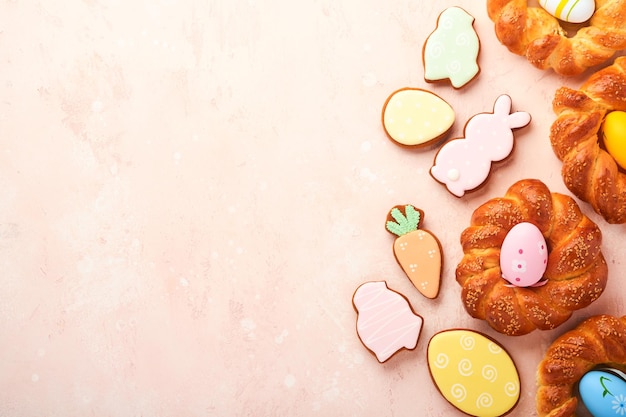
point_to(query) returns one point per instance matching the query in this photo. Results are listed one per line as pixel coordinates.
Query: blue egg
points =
(604, 392)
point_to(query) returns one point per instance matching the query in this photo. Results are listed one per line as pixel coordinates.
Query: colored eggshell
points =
(473, 373)
(415, 117)
(573, 11)
(385, 323)
(524, 255)
(614, 136)
(603, 393)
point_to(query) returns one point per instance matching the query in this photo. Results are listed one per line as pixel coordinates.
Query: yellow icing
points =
(614, 136)
(414, 117)
(473, 373)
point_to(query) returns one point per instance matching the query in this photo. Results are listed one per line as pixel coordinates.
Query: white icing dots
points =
(460, 164)
(453, 174)
(414, 117)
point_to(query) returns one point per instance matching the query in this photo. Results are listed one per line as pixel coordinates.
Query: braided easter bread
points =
(599, 340)
(576, 271)
(533, 32)
(588, 170)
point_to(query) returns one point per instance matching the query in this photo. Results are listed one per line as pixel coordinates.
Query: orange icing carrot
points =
(417, 251)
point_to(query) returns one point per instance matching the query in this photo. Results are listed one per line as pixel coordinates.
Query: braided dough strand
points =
(588, 170)
(534, 33)
(599, 340)
(576, 270)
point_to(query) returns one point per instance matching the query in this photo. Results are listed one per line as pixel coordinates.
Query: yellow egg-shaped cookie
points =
(473, 373)
(614, 136)
(416, 117)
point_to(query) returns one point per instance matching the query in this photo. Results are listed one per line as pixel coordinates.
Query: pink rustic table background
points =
(191, 191)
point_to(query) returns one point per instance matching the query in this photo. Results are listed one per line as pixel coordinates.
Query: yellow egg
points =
(416, 117)
(614, 136)
(473, 372)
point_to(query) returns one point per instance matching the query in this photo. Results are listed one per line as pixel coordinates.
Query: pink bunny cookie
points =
(463, 164)
(385, 322)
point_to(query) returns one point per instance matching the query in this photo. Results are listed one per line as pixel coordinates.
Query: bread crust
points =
(589, 171)
(536, 34)
(599, 340)
(576, 273)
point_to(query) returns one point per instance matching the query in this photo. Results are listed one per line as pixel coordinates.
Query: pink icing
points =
(385, 323)
(524, 255)
(463, 164)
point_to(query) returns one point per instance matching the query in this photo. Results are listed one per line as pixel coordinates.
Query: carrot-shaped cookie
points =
(417, 251)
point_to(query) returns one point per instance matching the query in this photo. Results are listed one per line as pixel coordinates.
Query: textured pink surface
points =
(191, 192)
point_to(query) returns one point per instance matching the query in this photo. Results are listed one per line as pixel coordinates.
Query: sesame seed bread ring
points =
(589, 171)
(576, 272)
(534, 33)
(599, 340)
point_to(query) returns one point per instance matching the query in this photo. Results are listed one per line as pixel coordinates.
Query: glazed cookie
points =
(473, 373)
(414, 117)
(417, 251)
(464, 164)
(451, 50)
(575, 273)
(385, 322)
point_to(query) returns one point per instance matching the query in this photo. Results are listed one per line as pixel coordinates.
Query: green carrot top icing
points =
(404, 222)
